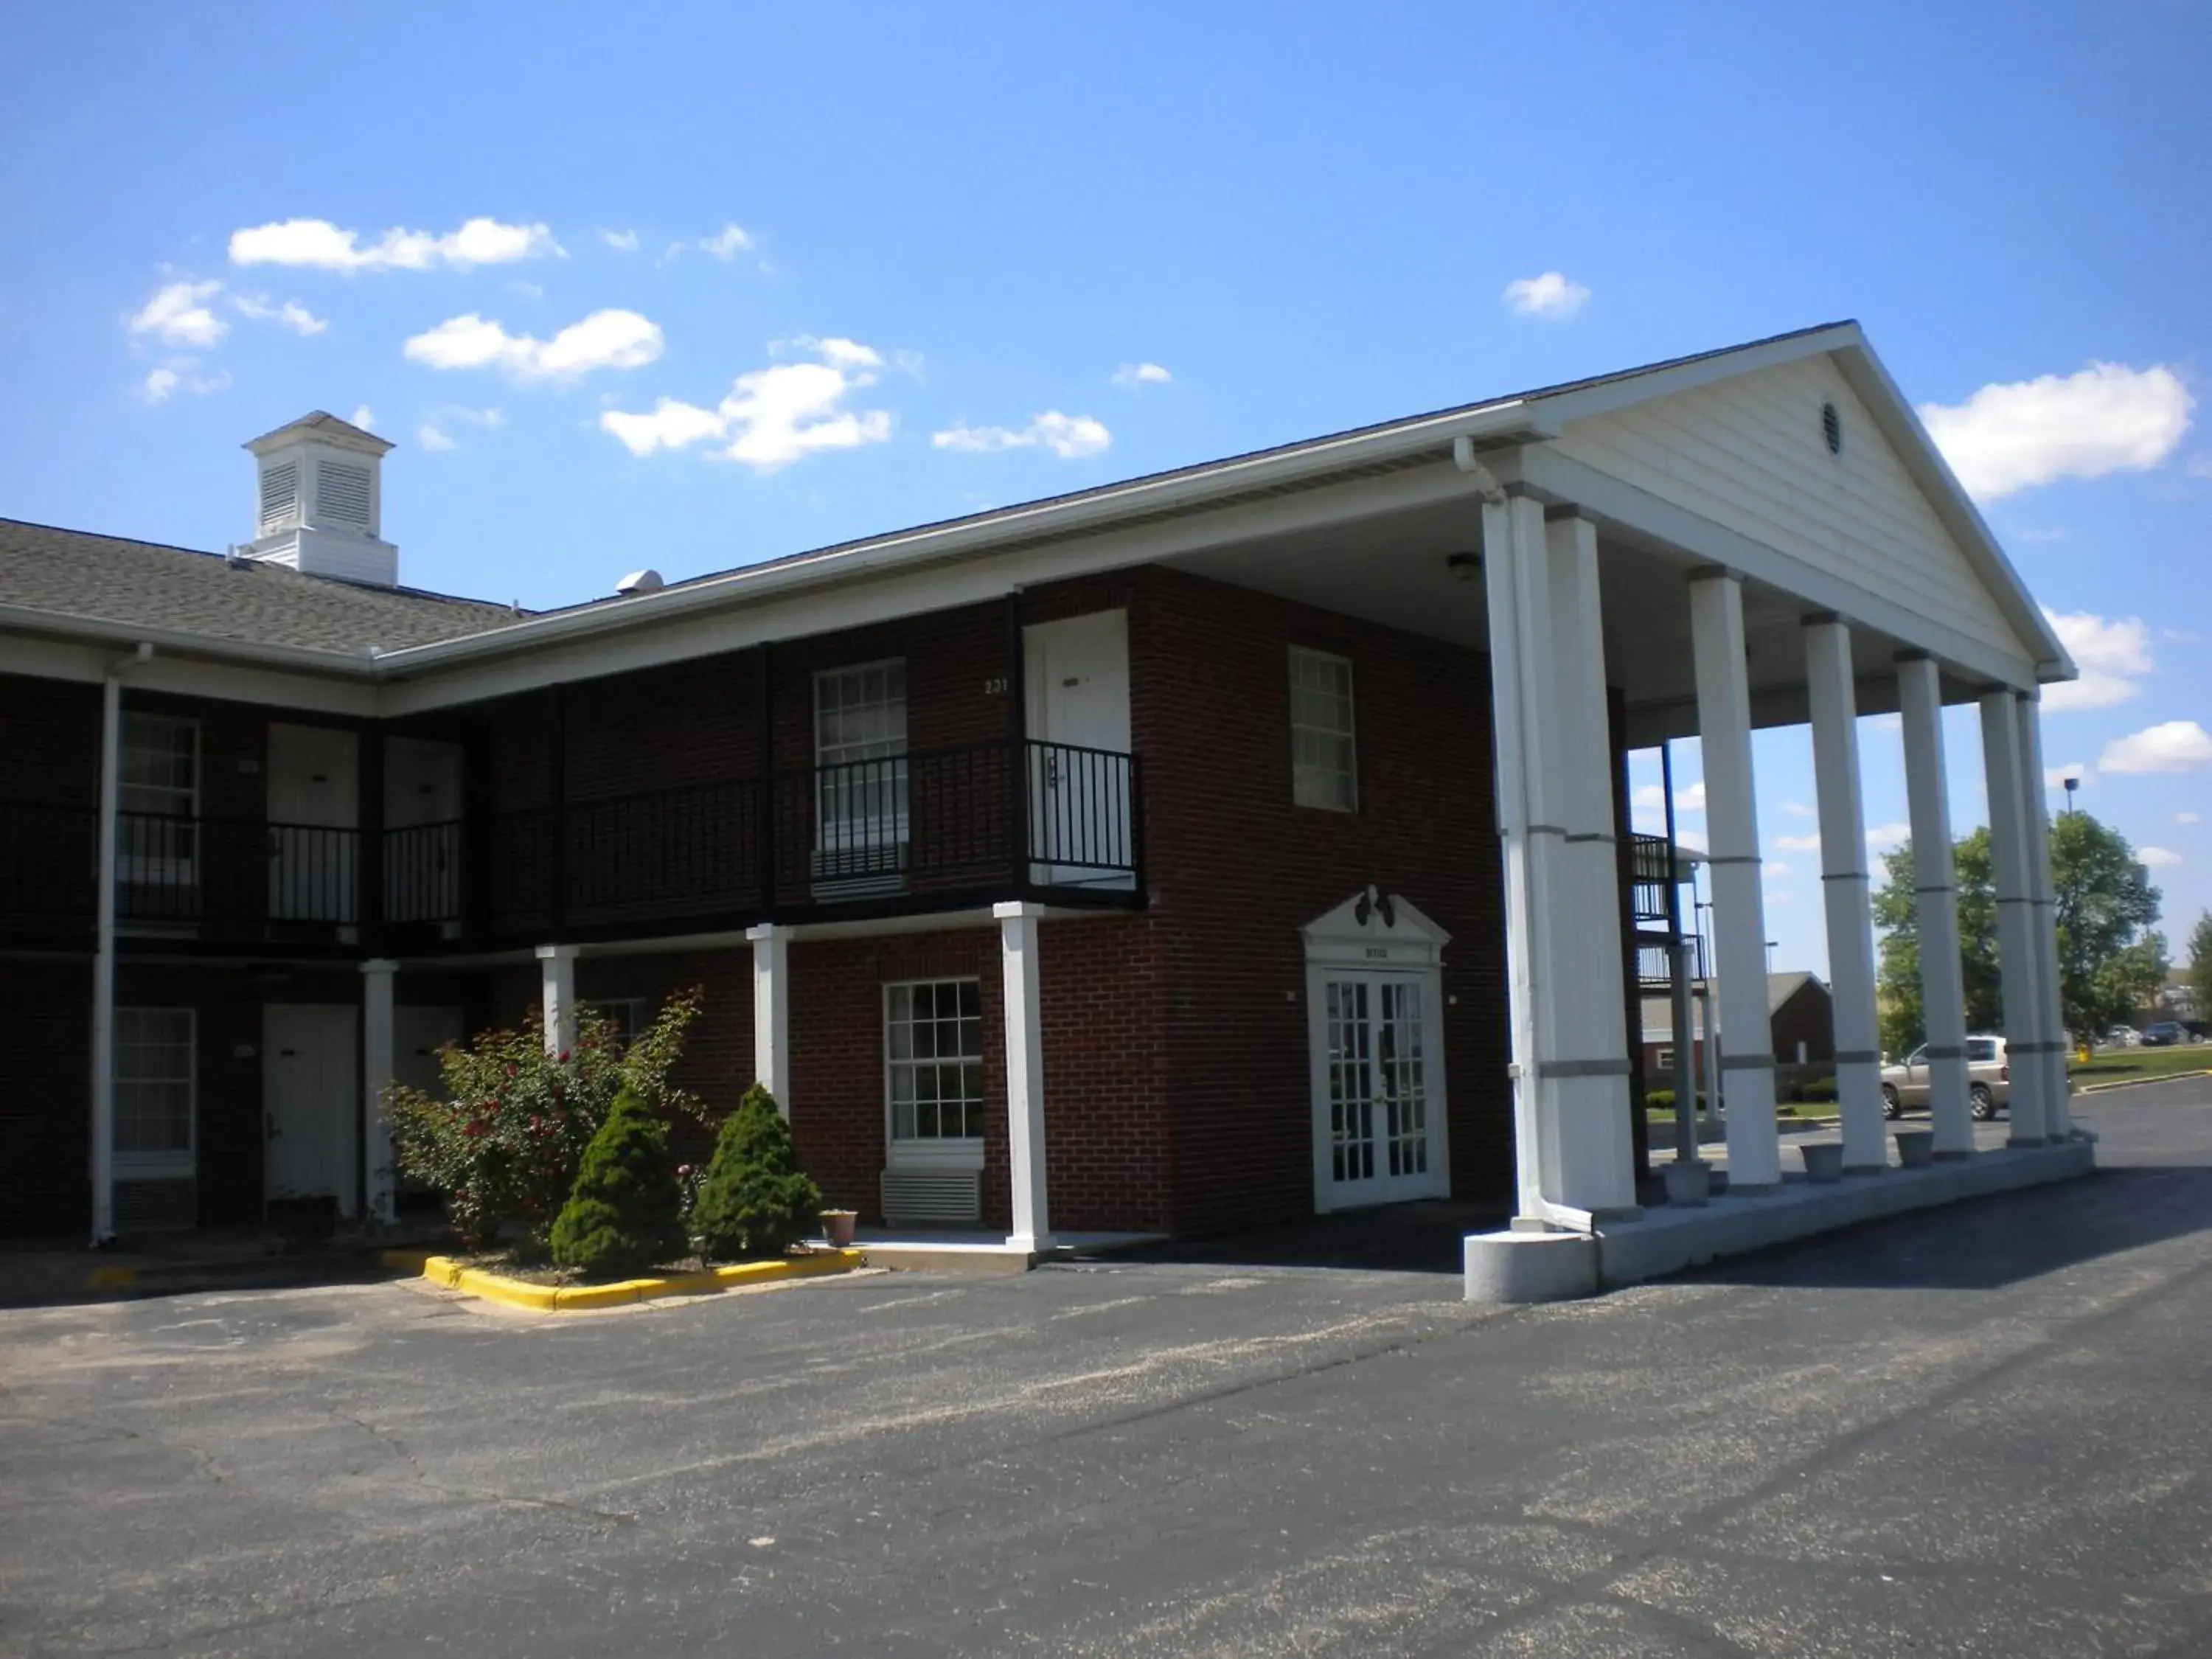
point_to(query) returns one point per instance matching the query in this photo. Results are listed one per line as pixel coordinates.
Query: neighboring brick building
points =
(1125, 862)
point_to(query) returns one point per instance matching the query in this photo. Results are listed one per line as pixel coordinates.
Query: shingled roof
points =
(73, 573)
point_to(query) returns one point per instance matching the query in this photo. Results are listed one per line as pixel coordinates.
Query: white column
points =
(1586, 1073)
(1844, 891)
(556, 969)
(2057, 1088)
(1747, 1036)
(1570, 1118)
(772, 1011)
(379, 1047)
(2016, 965)
(1935, 904)
(1018, 942)
(103, 970)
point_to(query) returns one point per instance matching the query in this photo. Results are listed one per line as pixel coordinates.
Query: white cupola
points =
(320, 501)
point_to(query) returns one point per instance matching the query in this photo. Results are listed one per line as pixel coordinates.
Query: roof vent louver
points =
(342, 492)
(640, 581)
(1832, 429)
(280, 496)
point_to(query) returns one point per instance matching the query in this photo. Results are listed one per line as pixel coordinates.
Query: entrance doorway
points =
(313, 809)
(310, 1099)
(422, 809)
(1077, 702)
(1374, 999)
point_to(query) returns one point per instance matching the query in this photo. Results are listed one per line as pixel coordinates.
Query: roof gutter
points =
(1517, 418)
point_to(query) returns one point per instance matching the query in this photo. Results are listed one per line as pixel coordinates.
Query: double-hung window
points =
(860, 770)
(933, 1063)
(158, 769)
(153, 1092)
(1324, 768)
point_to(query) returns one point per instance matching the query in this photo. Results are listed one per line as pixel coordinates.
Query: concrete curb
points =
(452, 1275)
(2140, 1082)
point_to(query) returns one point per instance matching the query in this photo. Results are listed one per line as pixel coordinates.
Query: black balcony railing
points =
(930, 829)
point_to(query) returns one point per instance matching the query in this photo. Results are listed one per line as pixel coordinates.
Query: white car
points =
(1989, 1079)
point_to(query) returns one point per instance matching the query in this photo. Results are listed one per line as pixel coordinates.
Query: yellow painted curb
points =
(569, 1298)
(108, 1279)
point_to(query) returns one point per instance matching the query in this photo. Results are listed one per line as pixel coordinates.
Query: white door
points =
(310, 1077)
(422, 831)
(1079, 782)
(1376, 1109)
(314, 802)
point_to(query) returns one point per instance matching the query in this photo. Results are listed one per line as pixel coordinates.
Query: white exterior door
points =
(310, 1083)
(423, 830)
(314, 801)
(1375, 1009)
(1077, 695)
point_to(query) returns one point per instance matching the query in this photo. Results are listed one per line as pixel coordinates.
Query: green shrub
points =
(504, 1137)
(754, 1199)
(1819, 1089)
(625, 1212)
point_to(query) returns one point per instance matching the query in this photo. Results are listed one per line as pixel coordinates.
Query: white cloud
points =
(1649, 798)
(1797, 808)
(1131, 376)
(1071, 437)
(1777, 867)
(2054, 777)
(364, 417)
(291, 314)
(725, 244)
(320, 244)
(621, 242)
(1883, 836)
(2185, 817)
(2106, 418)
(432, 434)
(1692, 800)
(2157, 857)
(1797, 843)
(430, 437)
(180, 374)
(835, 350)
(1550, 295)
(178, 314)
(2110, 654)
(1887, 722)
(772, 417)
(2173, 746)
(1690, 839)
(605, 339)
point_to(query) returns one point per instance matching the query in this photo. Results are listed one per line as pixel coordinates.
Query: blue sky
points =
(955, 227)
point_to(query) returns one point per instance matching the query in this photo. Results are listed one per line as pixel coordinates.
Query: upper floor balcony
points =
(897, 833)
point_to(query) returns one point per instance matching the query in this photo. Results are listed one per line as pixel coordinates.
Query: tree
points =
(2104, 901)
(754, 1200)
(2107, 959)
(504, 1140)
(625, 1212)
(2200, 968)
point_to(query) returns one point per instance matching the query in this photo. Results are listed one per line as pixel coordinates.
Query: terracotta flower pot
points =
(837, 1227)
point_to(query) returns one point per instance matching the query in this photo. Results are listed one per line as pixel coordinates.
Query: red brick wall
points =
(45, 1092)
(49, 742)
(1234, 868)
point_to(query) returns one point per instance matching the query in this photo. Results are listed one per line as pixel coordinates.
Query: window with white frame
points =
(1324, 769)
(933, 1057)
(1664, 1061)
(860, 757)
(158, 768)
(627, 1015)
(153, 1090)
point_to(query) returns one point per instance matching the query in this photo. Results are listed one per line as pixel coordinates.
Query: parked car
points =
(1989, 1079)
(2165, 1034)
(2122, 1036)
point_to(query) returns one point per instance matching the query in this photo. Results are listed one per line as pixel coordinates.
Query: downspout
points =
(103, 953)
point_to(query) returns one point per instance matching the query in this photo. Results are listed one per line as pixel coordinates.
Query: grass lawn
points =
(2134, 1065)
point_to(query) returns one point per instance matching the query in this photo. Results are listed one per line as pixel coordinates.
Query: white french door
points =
(1077, 699)
(314, 807)
(1377, 1108)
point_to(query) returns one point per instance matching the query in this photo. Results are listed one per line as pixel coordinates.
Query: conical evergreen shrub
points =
(624, 1213)
(755, 1200)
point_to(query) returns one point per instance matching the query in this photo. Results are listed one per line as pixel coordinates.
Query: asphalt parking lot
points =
(1984, 1433)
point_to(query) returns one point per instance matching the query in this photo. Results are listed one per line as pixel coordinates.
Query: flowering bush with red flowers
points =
(504, 1143)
